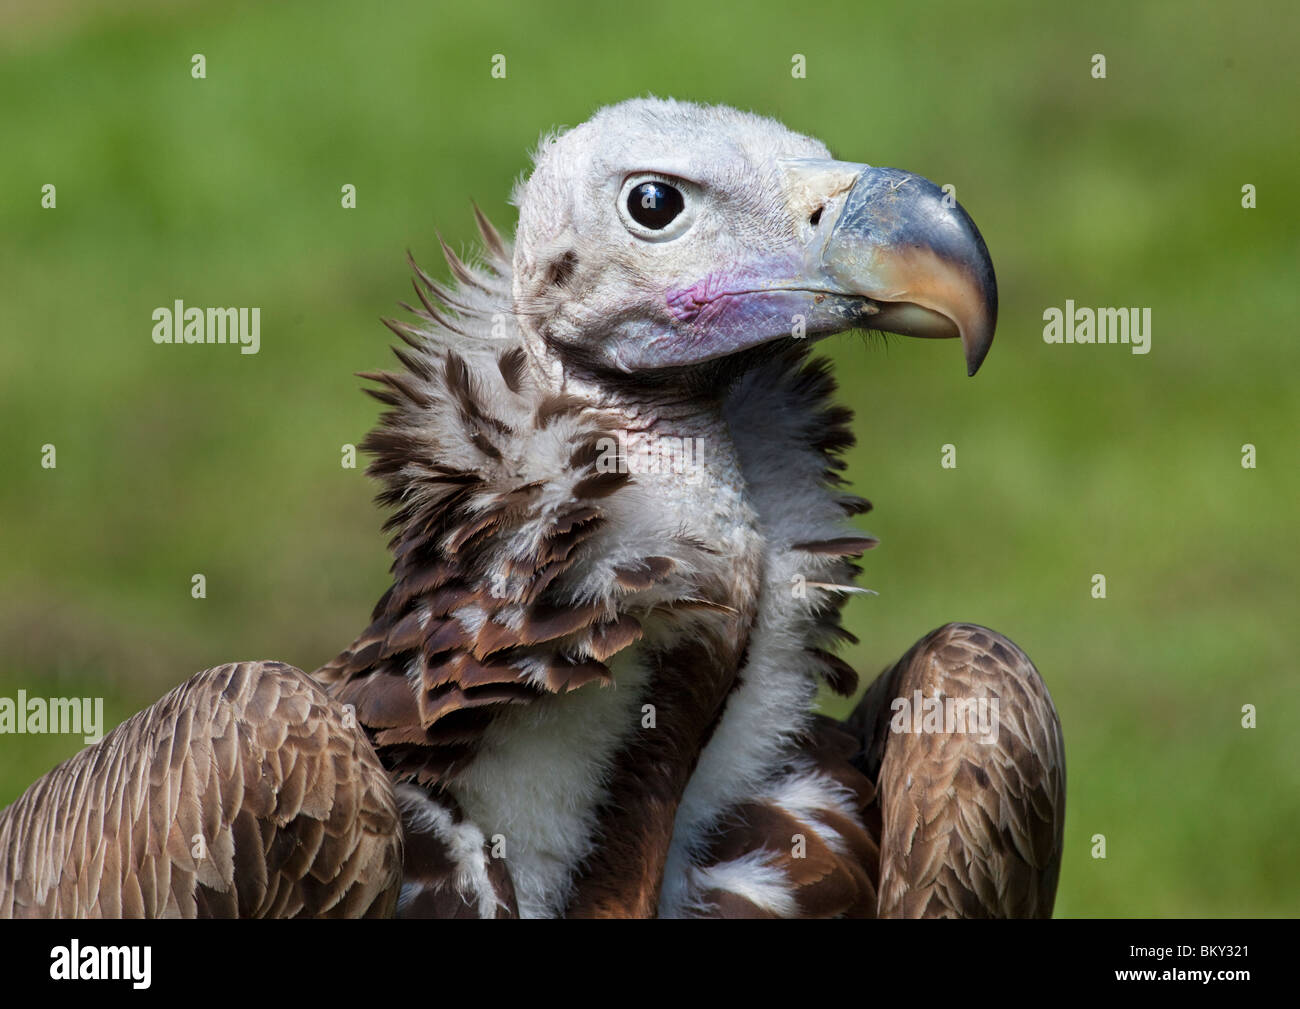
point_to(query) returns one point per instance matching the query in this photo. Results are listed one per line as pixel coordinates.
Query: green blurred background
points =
(1072, 460)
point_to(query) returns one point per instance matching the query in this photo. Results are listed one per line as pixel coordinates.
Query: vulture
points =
(621, 544)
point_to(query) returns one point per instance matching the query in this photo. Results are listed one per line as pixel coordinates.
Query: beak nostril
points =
(816, 217)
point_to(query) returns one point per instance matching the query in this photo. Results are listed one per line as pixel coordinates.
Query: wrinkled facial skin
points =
(661, 236)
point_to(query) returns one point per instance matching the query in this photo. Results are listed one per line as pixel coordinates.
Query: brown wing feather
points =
(446, 874)
(826, 857)
(689, 685)
(245, 792)
(970, 828)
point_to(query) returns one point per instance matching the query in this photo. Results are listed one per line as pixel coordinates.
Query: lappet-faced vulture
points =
(621, 547)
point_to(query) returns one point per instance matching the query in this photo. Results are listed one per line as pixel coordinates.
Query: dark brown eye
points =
(654, 205)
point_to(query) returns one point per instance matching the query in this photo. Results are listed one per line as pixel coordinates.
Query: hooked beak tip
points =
(903, 242)
(976, 348)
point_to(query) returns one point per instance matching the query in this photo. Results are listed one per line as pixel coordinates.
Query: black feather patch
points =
(511, 364)
(561, 269)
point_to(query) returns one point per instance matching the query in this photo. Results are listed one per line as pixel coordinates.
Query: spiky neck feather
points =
(525, 570)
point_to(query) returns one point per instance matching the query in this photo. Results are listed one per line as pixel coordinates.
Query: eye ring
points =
(656, 208)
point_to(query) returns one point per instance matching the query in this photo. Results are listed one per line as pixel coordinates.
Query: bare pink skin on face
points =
(686, 304)
(746, 304)
(738, 306)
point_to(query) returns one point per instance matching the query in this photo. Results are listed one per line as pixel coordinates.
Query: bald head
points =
(662, 235)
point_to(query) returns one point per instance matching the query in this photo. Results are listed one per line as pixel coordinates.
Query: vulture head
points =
(659, 236)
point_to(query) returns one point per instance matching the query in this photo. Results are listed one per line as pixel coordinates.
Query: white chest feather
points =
(539, 778)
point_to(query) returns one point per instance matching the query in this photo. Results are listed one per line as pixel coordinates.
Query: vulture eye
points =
(655, 205)
(655, 209)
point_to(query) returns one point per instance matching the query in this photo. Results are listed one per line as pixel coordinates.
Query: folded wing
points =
(245, 792)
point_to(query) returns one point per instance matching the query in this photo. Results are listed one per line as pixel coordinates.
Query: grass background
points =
(1072, 460)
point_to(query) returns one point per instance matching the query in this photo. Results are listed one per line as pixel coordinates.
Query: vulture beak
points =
(899, 241)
